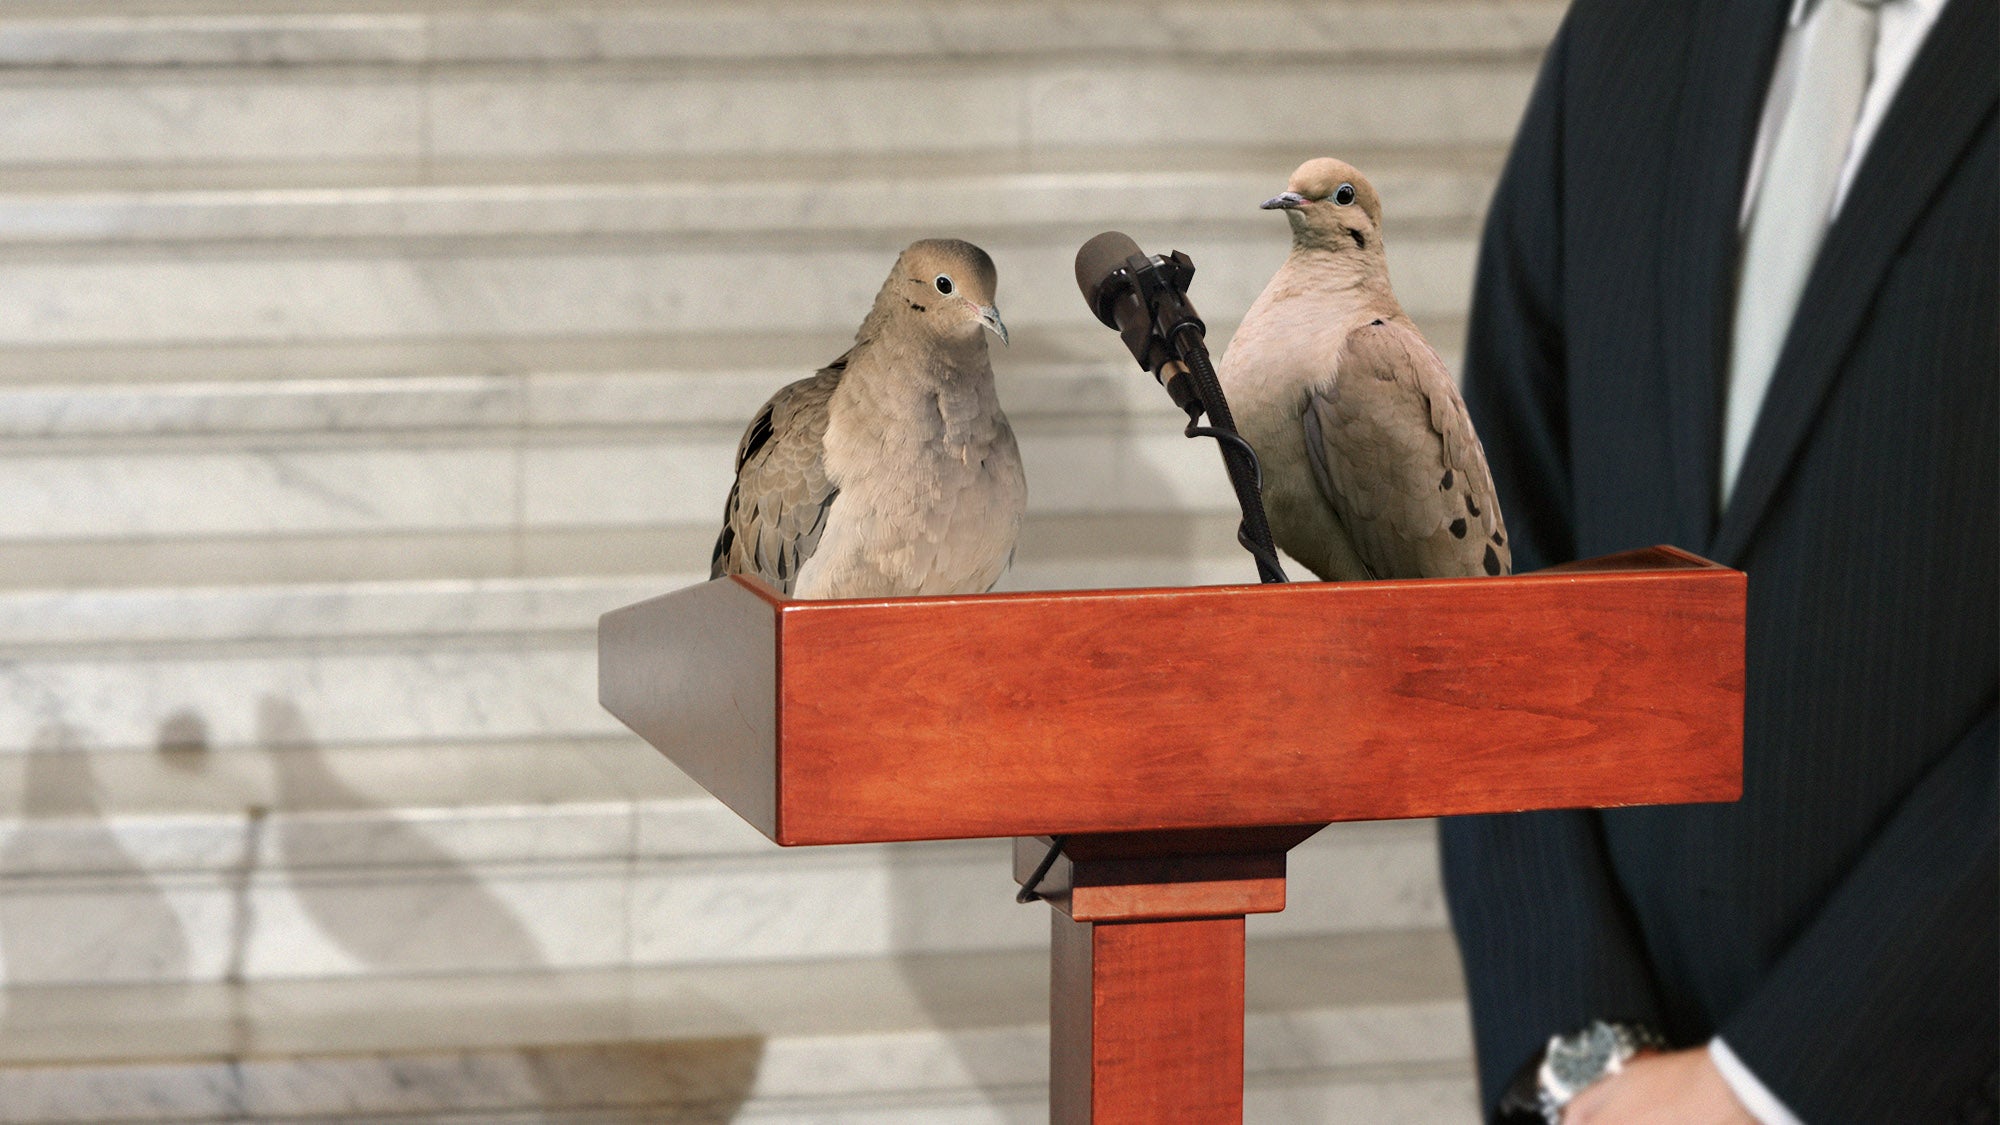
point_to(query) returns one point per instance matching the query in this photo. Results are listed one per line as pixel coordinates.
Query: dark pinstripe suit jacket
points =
(1838, 925)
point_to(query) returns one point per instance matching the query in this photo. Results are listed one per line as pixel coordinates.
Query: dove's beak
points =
(989, 315)
(1283, 201)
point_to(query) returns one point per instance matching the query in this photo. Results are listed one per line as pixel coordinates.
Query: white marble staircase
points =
(355, 355)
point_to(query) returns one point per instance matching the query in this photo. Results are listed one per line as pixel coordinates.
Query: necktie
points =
(1789, 218)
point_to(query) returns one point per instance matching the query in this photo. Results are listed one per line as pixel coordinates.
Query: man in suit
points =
(1827, 949)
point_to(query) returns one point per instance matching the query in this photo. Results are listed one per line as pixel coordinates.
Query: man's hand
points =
(1661, 1088)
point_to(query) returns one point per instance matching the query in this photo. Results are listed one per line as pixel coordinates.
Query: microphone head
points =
(1100, 258)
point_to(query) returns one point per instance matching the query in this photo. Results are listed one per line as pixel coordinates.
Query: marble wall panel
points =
(830, 197)
(289, 922)
(184, 116)
(1359, 1035)
(832, 902)
(1359, 1098)
(696, 825)
(811, 106)
(1297, 104)
(278, 924)
(315, 611)
(416, 692)
(111, 38)
(829, 1068)
(259, 490)
(679, 481)
(671, 1083)
(187, 808)
(204, 299)
(1360, 877)
(94, 841)
(768, 110)
(443, 401)
(117, 928)
(676, 395)
(612, 483)
(437, 920)
(582, 33)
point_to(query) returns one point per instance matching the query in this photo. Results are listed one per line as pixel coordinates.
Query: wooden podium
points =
(1181, 741)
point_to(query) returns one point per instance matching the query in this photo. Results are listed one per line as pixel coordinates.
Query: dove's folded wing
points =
(1393, 452)
(778, 507)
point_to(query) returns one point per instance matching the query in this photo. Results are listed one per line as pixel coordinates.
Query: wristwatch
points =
(1572, 1063)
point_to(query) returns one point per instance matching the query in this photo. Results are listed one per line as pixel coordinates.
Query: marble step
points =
(592, 286)
(799, 197)
(615, 252)
(295, 859)
(72, 400)
(264, 33)
(1160, 548)
(1350, 1028)
(329, 473)
(662, 494)
(712, 79)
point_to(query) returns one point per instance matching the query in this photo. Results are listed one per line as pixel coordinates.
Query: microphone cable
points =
(1246, 475)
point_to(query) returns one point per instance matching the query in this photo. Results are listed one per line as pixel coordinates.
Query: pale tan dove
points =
(893, 470)
(1371, 468)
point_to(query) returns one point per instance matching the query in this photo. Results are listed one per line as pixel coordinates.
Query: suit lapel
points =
(1733, 48)
(1948, 93)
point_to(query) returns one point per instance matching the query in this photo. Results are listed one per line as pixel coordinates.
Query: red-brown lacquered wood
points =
(1105, 711)
(1146, 1022)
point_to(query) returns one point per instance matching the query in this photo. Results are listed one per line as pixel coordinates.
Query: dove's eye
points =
(1344, 194)
(943, 284)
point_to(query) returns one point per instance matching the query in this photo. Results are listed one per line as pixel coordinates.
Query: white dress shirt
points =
(1900, 31)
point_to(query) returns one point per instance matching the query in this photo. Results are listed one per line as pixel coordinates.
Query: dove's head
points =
(943, 287)
(1331, 206)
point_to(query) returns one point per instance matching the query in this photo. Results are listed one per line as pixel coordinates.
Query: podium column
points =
(1146, 1021)
(1146, 970)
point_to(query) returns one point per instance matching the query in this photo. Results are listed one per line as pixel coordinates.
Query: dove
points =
(892, 470)
(1371, 467)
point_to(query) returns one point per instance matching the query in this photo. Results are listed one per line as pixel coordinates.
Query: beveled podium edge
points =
(740, 776)
(1647, 561)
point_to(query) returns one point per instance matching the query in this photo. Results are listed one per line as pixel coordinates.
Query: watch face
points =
(1576, 1061)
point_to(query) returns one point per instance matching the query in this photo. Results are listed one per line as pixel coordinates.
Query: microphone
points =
(1145, 299)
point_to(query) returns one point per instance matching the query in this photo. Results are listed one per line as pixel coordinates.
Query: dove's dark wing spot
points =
(1396, 458)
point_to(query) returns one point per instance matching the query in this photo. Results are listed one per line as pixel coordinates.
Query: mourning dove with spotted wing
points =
(893, 470)
(1371, 467)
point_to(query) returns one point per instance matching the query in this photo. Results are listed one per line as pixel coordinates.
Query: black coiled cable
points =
(1246, 476)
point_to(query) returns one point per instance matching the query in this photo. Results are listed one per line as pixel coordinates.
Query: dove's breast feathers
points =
(932, 491)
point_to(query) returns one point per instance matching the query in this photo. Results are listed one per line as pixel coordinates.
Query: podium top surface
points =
(1618, 681)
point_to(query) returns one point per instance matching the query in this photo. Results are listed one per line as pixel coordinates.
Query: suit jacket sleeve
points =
(1883, 1007)
(1546, 936)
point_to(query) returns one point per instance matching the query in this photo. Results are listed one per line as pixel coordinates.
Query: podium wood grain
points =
(1617, 683)
(1126, 1051)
